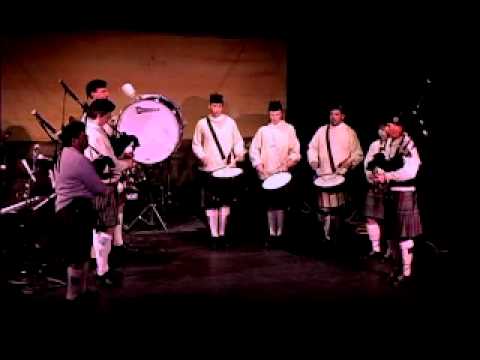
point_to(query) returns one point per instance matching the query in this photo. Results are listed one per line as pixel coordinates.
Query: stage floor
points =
(175, 273)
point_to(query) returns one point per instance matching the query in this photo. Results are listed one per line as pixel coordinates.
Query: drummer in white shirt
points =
(213, 156)
(334, 149)
(275, 149)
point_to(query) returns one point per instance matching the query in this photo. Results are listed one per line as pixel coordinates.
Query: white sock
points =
(74, 282)
(224, 212)
(102, 243)
(280, 215)
(212, 215)
(272, 223)
(373, 230)
(118, 232)
(326, 226)
(407, 256)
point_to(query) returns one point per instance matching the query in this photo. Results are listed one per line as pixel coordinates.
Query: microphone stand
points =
(70, 92)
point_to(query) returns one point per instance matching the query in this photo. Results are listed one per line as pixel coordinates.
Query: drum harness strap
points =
(220, 150)
(332, 165)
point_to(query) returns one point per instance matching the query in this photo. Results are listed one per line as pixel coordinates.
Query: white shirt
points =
(97, 137)
(273, 145)
(343, 143)
(229, 137)
(411, 163)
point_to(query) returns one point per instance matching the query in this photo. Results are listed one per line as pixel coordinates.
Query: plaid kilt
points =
(402, 215)
(218, 192)
(374, 203)
(107, 208)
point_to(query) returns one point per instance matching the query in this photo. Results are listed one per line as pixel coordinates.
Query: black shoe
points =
(104, 280)
(375, 255)
(270, 242)
(226, 241)
(214, 243)
(279, 242)
(402, 281)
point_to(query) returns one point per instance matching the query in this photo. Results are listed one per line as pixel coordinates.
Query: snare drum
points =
(277, 190)
(227, 173)
(331, 191)
(277, 181)
(222, 187)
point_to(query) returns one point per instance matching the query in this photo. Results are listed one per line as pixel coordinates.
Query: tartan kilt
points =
(402, 215)
(107, 208)
(374, 203)
(217, 192)
(331, 200)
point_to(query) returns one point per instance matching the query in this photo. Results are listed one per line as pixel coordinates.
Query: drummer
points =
(334, 149)
(217, 143)
(275, 148)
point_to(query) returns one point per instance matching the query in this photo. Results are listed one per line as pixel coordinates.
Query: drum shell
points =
(331, 196)
(217, 192)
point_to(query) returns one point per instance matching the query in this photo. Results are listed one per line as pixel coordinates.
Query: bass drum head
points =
(158, 125)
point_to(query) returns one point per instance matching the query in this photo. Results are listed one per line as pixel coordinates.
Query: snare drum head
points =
(158, 126)
(276, 181)
(327, 181)
(228, 172)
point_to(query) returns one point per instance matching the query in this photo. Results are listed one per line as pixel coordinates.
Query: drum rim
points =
(333, 176)
(240, 171)
(178, 116)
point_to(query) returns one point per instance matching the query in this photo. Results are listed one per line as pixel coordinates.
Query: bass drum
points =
(158, 125)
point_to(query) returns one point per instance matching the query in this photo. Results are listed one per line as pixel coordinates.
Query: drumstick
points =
(220, 168)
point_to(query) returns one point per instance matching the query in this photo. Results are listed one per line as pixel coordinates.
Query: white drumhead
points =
(132, 196)
(276, 181)
(157, 127)
(228, 172)
(330, 180)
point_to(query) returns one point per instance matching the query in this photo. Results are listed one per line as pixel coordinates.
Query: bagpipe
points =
(120, 141)
(103, 164)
